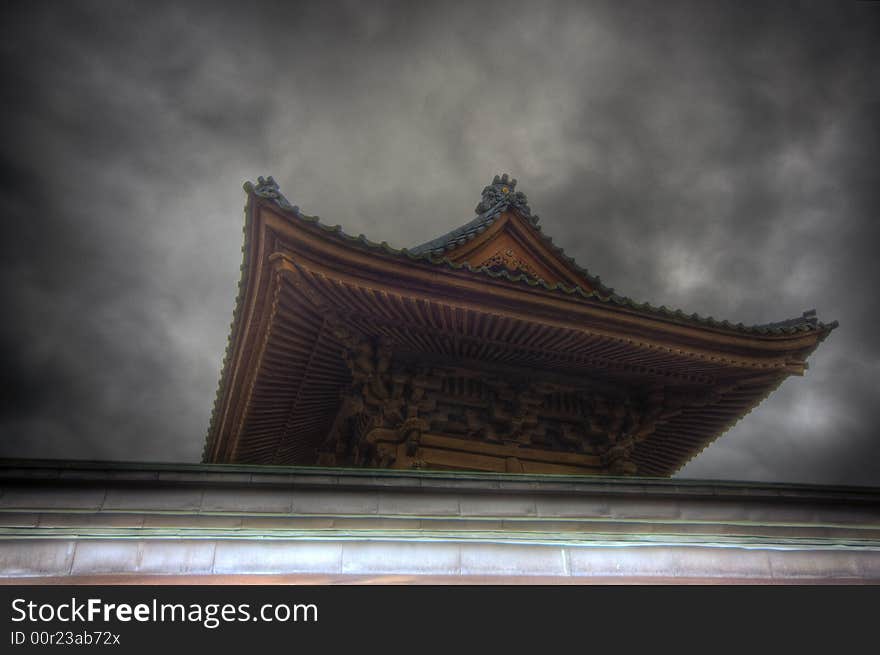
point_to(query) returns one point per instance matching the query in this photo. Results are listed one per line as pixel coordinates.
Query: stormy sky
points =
(704, 156)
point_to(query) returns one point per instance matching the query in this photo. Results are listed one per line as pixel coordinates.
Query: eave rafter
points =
(501, 298)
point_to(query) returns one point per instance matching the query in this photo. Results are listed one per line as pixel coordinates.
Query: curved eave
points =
(793, 326)
(234, 327)
(681, 440)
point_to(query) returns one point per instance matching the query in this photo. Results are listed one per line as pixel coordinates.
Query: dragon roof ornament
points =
(503, 191)
(268, 188)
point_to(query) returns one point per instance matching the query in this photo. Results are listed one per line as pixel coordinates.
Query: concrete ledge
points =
(77, 520)
(97, 558)
(294, 477)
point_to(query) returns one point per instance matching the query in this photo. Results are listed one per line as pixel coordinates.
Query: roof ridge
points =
(268, 189)
(499, 196)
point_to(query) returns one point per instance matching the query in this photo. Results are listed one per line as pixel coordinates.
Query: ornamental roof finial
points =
(503, 191)
(267, 187)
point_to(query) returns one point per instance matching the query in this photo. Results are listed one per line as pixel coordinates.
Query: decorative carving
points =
(508, 259)
(382, 405)
(267, 187)
(390, 407)
(503, 191)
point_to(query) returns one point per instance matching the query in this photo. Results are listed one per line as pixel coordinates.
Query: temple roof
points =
(309, 294)
(500, 197)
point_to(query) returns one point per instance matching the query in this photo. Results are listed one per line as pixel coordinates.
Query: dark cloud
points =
(711, 157)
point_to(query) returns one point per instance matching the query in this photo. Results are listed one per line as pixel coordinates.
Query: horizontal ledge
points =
(411, 579)
(585, 540)
(95, 516)
(156, 474)
(60, 557)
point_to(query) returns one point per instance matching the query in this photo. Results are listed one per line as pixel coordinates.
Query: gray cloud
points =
(700, 155)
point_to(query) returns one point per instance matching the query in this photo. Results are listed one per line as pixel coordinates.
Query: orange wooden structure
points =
(486, 349)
